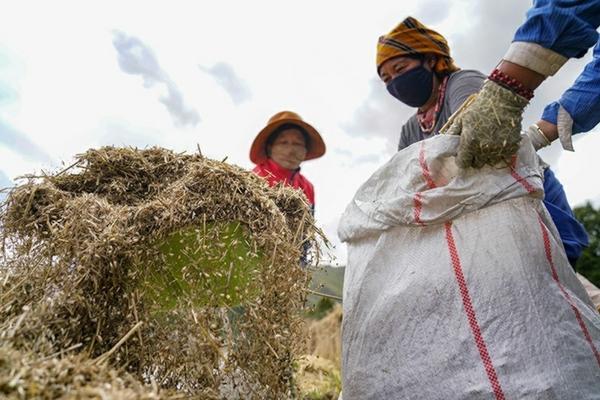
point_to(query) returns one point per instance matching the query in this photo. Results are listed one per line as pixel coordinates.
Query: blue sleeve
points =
(572, 233)
(582, 100)
(567, 27)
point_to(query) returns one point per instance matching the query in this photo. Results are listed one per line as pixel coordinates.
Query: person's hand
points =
(537, 136)
(489, 125)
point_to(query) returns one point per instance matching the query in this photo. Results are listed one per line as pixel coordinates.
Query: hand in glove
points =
(537, 137)
(489, 125)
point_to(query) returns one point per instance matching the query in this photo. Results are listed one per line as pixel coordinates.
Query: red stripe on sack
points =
(469, 310)
(417, 207)
(580, 320)
(424, 168)
(513, 172)
(548, 251)
(522, 181)
(418, 198)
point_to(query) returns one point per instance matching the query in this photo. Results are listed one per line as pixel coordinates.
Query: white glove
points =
(537, 137)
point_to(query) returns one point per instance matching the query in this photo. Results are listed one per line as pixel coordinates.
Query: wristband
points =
(510, 83)
(537, 137)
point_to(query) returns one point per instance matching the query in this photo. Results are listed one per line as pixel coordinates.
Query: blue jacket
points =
(568, 27)
(572, 233)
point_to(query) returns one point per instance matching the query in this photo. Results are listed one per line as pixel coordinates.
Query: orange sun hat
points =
(258, 150)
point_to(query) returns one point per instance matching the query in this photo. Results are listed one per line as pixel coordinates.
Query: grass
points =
(327, 280)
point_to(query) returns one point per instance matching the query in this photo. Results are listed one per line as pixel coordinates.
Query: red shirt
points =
(275, 173)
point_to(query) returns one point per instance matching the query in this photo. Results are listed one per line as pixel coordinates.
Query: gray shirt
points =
(461, 85)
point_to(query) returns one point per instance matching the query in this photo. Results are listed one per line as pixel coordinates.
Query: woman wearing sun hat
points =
(415, 64)
(280, 148)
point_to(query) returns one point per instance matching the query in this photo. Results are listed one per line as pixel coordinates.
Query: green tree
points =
(588, 264)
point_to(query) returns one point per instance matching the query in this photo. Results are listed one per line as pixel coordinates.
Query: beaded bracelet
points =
(510, 83)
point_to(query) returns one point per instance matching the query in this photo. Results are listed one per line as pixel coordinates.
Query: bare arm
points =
(530, 79)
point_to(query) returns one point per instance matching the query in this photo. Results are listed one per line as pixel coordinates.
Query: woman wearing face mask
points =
(415, 64)
(280, 148)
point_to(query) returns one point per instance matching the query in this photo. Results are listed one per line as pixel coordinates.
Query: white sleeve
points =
(535, 57)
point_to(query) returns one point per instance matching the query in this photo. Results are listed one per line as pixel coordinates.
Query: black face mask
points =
(413, 87)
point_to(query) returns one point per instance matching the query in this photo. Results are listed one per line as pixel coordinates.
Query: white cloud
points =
(21, 144)
(4, 181)
(7, 94)
(435, 11)
(137, 58)
(380, 115)
(227, 78)
(578, 170)
(120, 133)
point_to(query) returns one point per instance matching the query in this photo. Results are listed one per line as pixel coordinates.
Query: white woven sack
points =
(458, 287)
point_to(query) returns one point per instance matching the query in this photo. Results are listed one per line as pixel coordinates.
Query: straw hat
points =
(258, 150)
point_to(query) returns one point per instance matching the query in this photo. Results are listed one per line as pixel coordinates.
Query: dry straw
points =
(489, 123)
(326, 336)
(169, 273)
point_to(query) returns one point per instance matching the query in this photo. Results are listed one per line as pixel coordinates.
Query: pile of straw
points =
(80, 245)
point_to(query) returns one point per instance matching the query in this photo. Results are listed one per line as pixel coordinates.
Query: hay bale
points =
(139, 256)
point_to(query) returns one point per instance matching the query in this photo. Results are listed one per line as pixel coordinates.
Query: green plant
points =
(322, 308)
(588, 264)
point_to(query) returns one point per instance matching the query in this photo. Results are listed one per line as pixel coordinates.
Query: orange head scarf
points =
(412, 38)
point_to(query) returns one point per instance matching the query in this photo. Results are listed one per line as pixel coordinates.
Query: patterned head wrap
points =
(411, 38)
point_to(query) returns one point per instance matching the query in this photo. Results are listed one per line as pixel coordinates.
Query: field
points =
(327, 280)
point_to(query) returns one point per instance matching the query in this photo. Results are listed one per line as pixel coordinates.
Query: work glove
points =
(537, 137)
(489, 125)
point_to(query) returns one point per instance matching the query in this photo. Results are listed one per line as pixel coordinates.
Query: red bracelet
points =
(510, 83)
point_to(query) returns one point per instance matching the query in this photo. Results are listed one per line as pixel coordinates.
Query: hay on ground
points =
(325, 336)
(318, 379)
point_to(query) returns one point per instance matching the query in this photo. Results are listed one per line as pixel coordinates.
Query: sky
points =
(189, 74)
